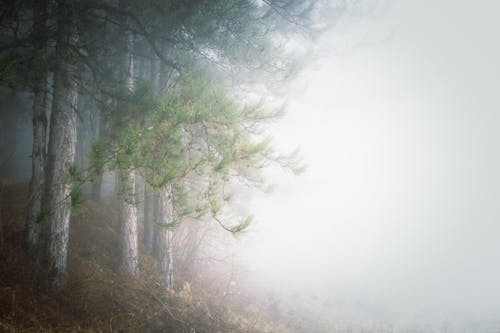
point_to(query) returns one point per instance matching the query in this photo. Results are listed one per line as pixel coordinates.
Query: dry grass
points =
(97, 298)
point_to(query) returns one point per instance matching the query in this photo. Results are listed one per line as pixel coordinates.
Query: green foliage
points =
(215, 146)
(292, 161)
(243, 226)
(170, 225)
(97, 160)
(76, 197)
(197, 138)
(74, 175)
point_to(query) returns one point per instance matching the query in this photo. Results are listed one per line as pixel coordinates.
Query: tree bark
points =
(139, 190)
(96, 189)
(61, 150)
(127, 56)
(126, 178)
(150, 198)
(155, 74)
(83, 131)
(128, 223)
(164, 236)
(156, 219)
(148, 218)
(39, 154)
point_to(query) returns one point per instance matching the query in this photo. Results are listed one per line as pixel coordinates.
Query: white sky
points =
(400, 205)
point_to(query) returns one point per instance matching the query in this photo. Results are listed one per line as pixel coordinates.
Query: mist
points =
(393, 227)
(397, 214)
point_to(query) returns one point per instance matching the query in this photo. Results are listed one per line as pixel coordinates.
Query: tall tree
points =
(38, 156)
(242, 42)
(126, 175)
(149, 209)
(150, 197)
(164, 234)
(61, 149)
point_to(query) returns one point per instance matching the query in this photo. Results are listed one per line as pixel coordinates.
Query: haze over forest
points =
(252, 166)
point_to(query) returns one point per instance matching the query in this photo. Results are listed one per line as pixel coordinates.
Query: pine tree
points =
(61, 148)
(40, 70)
(187, 136)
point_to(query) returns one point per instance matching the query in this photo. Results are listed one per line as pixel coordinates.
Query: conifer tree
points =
(189, 138)
(61, 148)
(40, 71)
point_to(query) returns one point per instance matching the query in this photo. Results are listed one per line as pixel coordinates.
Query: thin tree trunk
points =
(128, 223)
(81, 133)
(148, 218)
(126, 178)
(150, 198)
(128, 57)
(139, 190)
(99, 135)
(61, 151)
(39, 129)
(164, 237)
(157, 215)
(155, 74)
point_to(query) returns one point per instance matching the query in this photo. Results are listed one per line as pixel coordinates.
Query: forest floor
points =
(98, 299)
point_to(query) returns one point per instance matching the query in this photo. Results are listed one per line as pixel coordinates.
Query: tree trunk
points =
(80, 134)
(127, 57)
(150, 198)
(148, 218)
(155, 74)
(128, 223)
(156, 219)
(61, 151)
(39, 129)
(84, 131)
(126, 178)
(140, 195)
(164, 237)
(99, 135)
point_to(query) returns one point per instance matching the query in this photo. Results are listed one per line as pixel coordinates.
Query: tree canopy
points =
(174, 84)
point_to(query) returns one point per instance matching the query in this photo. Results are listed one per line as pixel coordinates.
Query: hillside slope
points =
(97, 298)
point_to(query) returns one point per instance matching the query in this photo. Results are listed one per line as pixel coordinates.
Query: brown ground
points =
(98, 299)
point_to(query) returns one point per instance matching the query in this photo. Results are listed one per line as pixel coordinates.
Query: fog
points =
(16, 137)
(396, 219)
(398, 211)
